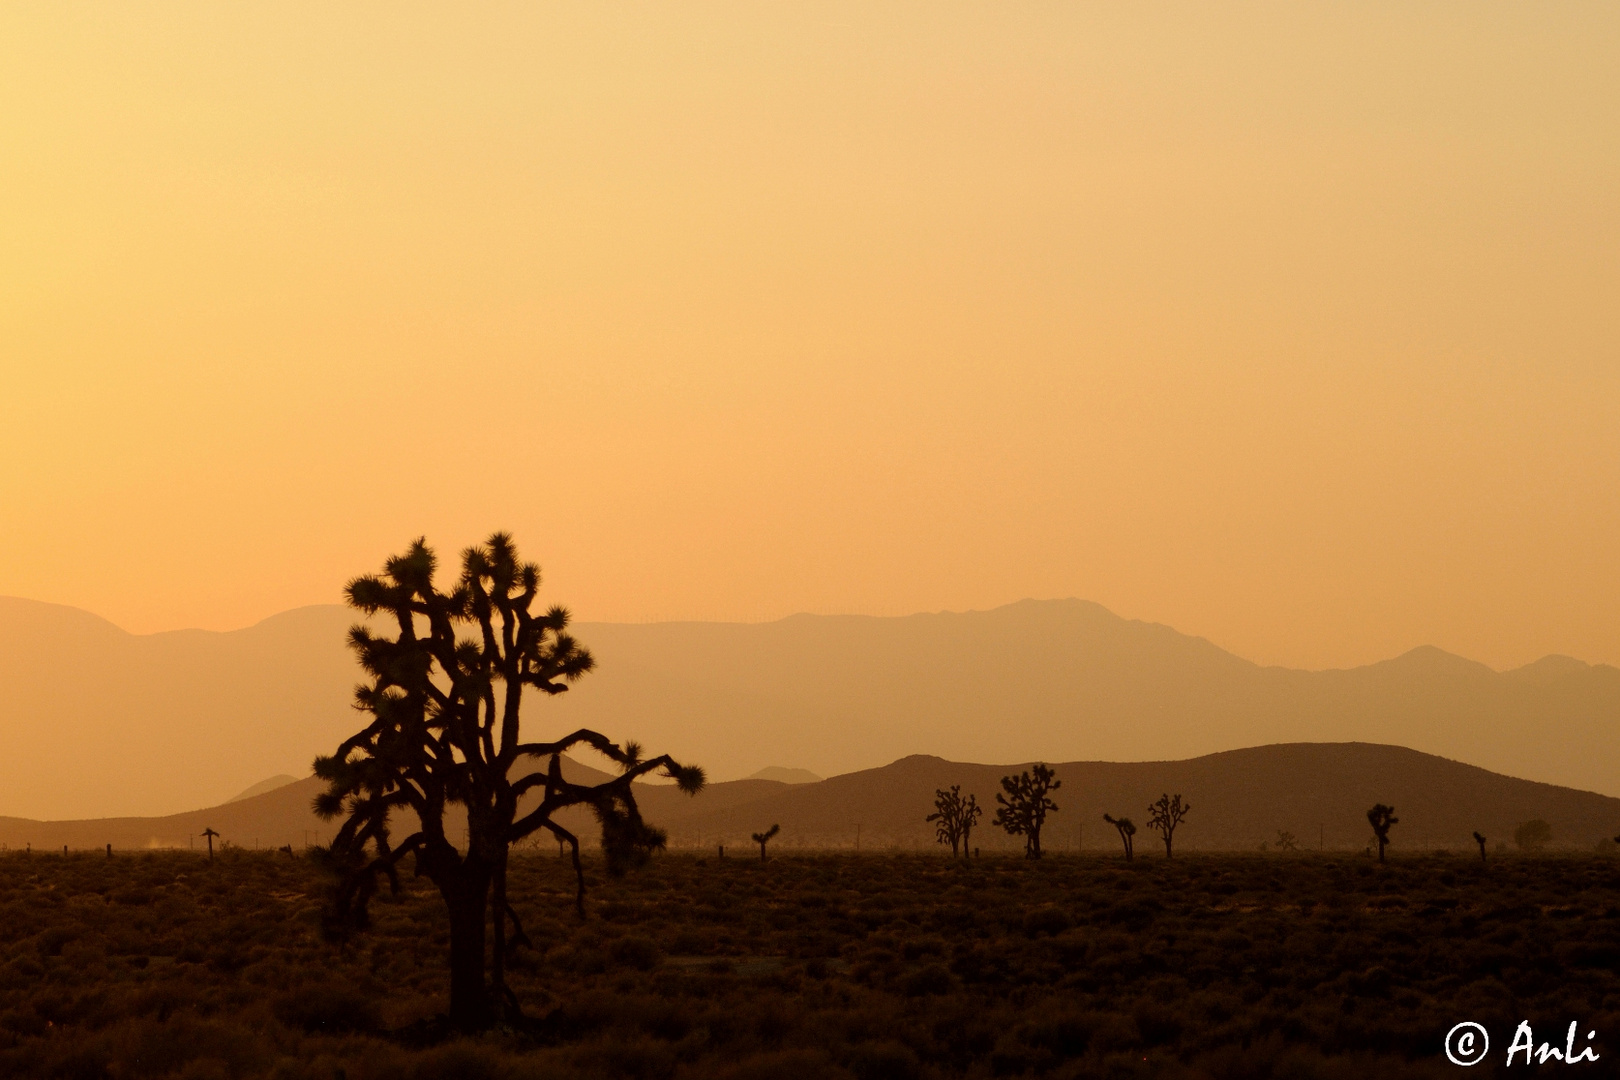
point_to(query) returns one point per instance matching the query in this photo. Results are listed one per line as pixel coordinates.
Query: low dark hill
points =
(1318, 792)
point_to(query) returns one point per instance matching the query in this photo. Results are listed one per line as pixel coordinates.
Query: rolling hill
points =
(102, 722)
(1318, 792)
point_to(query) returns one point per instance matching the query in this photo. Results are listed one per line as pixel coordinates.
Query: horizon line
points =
(1420, 648)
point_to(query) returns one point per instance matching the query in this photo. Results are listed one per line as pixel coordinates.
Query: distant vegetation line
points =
(1314, 795)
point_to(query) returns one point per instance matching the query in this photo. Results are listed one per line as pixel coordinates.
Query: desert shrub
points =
(886, 1060)
(784, 1065)
(933, 979)
(635, 952)
(329, 1010)
(1047, 920)
(461, 1060)
(626, 1058)
(1533, 835)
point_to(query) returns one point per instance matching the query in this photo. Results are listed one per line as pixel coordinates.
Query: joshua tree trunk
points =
(763, 838)
(468, 901)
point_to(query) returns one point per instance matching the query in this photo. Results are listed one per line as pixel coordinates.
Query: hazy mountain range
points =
(1317, 792)
(102, 722)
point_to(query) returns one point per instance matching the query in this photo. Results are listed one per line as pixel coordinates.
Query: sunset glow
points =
(1291, 327)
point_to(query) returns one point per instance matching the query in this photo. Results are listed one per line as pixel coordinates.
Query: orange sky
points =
(1293, 326)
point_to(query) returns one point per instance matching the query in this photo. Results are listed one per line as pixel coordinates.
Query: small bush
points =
(635, 952)
(887, 1060)
(328, 1010)
(1047, 920)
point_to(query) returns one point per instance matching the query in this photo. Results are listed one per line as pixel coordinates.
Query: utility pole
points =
(857, 836)
(1321, 837)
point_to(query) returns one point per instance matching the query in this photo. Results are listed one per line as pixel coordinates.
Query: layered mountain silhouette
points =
(1241, 798)
(103, 722)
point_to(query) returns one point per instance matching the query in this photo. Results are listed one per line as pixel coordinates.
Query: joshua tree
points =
(1166, 814)
(763, 838)
(1381, 817)
(1286, 841)
(1127, 833)
(1533, 835)
(445, 715)
(209, 834)
(956, 817)
(1479, 838)
(1024, 805)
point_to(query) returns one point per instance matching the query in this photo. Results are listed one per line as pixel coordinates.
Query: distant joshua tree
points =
(1381, 817)
(1479, 838)
(1127, 833)
(1533, 835)
(1024, 805)
(1286, 841)
(209, 835)
(763, 838)
(956, 817)
(1167, 813)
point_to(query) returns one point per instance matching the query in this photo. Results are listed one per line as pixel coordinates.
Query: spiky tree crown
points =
(446, 713)
(1381, 817)
(1022, 801)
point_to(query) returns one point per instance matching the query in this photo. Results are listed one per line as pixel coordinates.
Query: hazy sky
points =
(1290, 325)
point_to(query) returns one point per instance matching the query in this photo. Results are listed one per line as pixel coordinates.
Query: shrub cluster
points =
(893, 966)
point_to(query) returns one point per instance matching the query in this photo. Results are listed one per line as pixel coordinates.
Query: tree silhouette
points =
(209, 834)
(1127, 833)
(1164, 816)
(1024, 806)
(1479, 838)
(1381, 817)
(445, 729)
(956, 817)
(763, 838)
(1533, 835)
(1286, 841)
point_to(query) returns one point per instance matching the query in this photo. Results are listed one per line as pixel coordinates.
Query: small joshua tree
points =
(1286, 841)
(956, 817)
(1165, 815)
(1024, 805)
(209, 834)
(763, 838)
(1127, 833)
(1381, 817)
(1479, 838)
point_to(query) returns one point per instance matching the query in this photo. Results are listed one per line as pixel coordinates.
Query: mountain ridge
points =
(191, 717)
